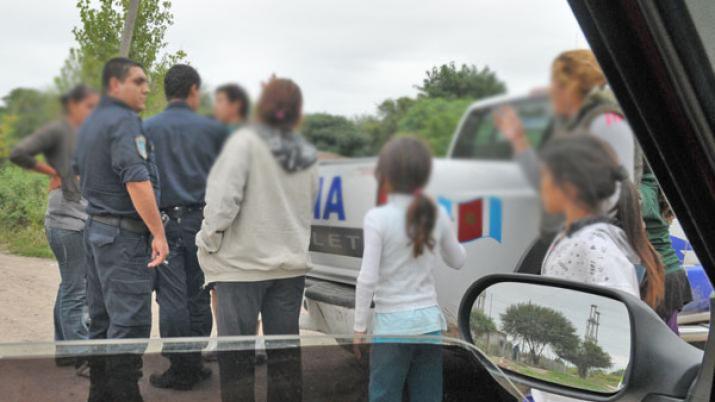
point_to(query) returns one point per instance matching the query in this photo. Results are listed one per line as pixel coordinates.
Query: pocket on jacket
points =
(209, 243)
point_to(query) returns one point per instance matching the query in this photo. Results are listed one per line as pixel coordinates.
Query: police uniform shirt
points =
(111, 152)
(186, 145)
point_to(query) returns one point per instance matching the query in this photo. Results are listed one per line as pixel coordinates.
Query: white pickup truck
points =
(495, 214)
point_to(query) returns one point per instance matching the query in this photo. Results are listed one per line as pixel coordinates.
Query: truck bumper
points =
(328, 307)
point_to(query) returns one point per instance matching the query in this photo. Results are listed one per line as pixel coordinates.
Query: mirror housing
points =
(661, 364)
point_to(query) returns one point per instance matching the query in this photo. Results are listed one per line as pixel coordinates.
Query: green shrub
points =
(23, 200)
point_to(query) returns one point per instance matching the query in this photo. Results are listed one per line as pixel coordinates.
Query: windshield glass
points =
(322, 368)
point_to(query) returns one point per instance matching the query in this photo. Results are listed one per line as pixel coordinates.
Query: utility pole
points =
(592, 324)
(128, 32)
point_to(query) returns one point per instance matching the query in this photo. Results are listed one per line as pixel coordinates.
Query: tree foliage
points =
(481, 324)
(435, 120)
(335, 134)
(98, 37)
(25, 111)
(538, 327)
(467, 82)
(585, 356)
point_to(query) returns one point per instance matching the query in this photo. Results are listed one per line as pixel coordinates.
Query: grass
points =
(597, 382)
(23, 200)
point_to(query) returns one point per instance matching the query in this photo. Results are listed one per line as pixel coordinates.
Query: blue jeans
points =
(70, 313)
(418, 365)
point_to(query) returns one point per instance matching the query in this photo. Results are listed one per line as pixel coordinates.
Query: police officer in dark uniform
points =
(186, 144)
(124, 234)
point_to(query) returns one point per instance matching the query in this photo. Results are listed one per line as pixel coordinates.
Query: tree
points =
(435, 120)
(98, 37)
(381, 127)
(335, 134)
(26, 110)
(538, 327)
(585, 356)
(467, 82)
(481, 324)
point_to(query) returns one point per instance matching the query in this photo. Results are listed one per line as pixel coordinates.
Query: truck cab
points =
(494, 211)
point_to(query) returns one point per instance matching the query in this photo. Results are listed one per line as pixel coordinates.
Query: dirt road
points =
(28, 287)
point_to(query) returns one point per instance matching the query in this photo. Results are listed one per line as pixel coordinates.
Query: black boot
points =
(98, 389)
(182, 375)
(124, 372)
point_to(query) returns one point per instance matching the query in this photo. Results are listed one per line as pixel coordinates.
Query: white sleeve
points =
(224, 193)
(369, 271)
(452, 251)
(616, 131)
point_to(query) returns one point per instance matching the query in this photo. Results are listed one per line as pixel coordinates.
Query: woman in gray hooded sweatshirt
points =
(253, 243)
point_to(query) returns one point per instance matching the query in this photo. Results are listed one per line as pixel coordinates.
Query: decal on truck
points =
(333, 201)
(476, 219)
(335, 240)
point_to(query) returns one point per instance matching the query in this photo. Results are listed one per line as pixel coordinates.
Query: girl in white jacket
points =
(401, 243)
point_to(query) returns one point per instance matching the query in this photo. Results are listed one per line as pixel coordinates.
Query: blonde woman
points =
(581, 103)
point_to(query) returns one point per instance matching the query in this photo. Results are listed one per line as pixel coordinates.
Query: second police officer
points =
(186, 144)
(124, 234)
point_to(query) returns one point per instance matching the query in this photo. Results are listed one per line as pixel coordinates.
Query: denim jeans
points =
(70, 312)
(395, 367)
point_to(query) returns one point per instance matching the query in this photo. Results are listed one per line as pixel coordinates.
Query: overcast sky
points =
(347, 55)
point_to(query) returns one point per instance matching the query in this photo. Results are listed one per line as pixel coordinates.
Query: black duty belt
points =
(128, 224)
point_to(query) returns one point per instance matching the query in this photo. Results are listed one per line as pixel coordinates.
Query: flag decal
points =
(476, 219)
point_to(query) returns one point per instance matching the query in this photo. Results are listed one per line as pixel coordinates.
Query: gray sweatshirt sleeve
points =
(224, 192)
(42, 140)
(615, 130)
(529, 163)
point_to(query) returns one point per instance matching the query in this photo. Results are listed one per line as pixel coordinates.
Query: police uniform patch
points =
(140, 142)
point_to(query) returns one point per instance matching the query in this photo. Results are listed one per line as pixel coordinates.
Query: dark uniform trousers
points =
(184, 305)
(119, 286)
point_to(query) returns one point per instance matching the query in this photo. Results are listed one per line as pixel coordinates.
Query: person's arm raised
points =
(142, 196)
(509, 124)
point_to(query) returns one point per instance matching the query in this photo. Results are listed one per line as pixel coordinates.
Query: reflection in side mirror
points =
(555, 335)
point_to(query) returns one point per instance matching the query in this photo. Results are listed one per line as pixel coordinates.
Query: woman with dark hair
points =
(65, 216)
(253, 243)
(581, 103)
(604, 241)
(402, 239)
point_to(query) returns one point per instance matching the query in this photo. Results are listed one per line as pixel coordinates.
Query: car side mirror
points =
(581, 341)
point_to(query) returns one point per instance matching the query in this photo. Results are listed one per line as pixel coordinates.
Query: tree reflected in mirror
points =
(556, 335)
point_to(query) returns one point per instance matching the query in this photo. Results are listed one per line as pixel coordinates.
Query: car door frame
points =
(657, 66)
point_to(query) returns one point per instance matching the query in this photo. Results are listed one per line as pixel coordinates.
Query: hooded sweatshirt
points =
(596, 254)
(259, 207)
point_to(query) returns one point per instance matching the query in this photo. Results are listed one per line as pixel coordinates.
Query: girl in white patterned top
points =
(603, 241)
